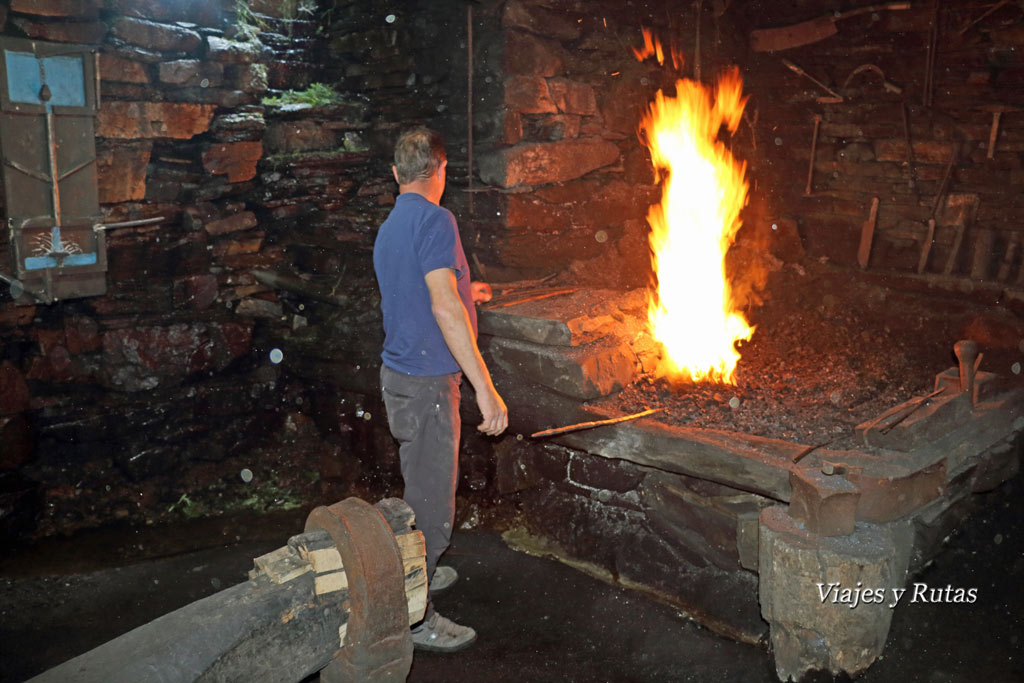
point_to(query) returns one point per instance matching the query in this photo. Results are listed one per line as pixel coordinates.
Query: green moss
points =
(316, 95)
(262, 495)
(248, 23)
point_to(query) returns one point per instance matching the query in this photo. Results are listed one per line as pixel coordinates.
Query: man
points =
(430, 342)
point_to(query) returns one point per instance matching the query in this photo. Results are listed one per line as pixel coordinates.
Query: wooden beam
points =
(284, 624)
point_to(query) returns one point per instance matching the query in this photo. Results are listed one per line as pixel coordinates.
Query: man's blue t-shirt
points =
(417, 237)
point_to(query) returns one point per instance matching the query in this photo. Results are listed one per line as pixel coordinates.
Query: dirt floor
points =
(831, 351)
(537, 620)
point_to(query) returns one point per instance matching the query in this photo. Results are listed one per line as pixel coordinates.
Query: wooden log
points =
(981, 257)
(274, 631)
(1009, 257)
(285, 623)
(867, 234)
(926, 246)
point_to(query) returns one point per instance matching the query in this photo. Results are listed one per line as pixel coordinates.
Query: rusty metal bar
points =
(128, 224)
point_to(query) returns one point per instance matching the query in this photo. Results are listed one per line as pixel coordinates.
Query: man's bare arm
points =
(452, 318)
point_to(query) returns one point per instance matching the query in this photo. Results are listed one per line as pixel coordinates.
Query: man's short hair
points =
(418, 153)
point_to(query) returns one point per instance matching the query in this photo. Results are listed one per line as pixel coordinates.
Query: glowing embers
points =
(691, 311)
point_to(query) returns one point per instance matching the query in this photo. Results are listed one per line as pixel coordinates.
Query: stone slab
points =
(535, 163)
(540, 20)
(250, 78)
(243, 220)
(14, 392)
(683, 516)
(155, 35)
(238, 127)
(133, 120)
(60, 31)
(121, 171)
(233, 51)
(189, 73)
(573, 97)
(122, 70)
(528, 95)
(571, 319)
(81, 9)
(584, 372)
(298, 136)
(236, 160)
(751, 463)
(747, 531)
(530, 55)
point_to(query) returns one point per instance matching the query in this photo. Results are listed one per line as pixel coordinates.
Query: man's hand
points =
(453, 321)
(492, 407)
(481, 292)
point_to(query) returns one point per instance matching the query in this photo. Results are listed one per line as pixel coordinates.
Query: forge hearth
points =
(828, 446)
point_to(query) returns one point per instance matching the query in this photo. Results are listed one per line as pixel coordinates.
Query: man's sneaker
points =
(439, 634)
(444, 577)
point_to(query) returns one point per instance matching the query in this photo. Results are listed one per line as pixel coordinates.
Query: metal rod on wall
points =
(469, 102)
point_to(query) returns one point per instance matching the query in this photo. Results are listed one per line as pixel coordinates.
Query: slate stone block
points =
(82, 32)
(528, 95)
(190, 73)
(529, 55)
(250, 78)
(233, 51)
(546, 162)
(120, 69)
(573, 97)
(132, 120)
(585, 372)
(809, 631)
(540, 20)
(155, 35)
(121, 171)
(303, 135)
(14, 393)
(239, 127)
(236, 160)
(80, 9)
(143, 358)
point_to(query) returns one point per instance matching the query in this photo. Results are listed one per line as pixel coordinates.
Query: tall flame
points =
(692, 313)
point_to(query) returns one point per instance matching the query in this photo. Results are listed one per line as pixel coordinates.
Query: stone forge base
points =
(827, 598)
(744, 533)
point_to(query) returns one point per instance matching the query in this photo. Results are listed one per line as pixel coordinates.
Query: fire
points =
(692, 313)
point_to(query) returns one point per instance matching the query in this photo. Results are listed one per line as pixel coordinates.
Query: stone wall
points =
(160, 399)
(689, 542)
(566, 183)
